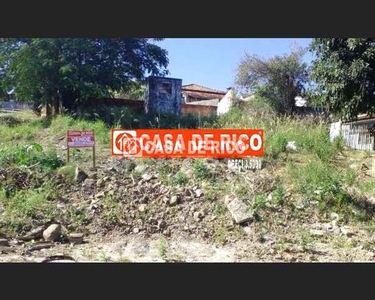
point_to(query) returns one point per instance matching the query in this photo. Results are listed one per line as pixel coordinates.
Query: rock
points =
(291, 146)
(317, 232)
(100, 195)
(238, 210)
(52, 233)
(346, 231)
(4, 242)
(198, 216)
(173, 200)
(198, 193)
(146, 177)
(88, 182)
(142, 207)
(269, 197)
(328, 226)
(76, 238)
(129, 165)
(161, 224)
(247, 230)
(371, 200)
(33, 234)
(39, 246)
(140, 168)
(136, 230)
(80, 175)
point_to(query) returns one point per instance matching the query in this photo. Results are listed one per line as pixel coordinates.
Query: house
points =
(195, 93)
(358, 134)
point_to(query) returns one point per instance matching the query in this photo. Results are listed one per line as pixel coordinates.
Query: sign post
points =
(80, 139)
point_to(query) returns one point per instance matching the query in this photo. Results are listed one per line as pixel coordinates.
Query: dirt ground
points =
(192, 230)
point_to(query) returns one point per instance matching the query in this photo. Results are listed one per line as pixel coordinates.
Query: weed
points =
(201, 172)
(304, 237)
(219, 208)
(163, 248)
(181, 178)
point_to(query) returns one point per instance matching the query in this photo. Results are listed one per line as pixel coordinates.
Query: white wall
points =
(225, 103)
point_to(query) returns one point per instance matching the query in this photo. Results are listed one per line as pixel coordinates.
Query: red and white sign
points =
(219, 143)
(80, 138)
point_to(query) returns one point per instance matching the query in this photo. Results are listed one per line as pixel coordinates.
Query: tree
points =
(137, 92)
(278, 79)
(68, 71)
(344, 72)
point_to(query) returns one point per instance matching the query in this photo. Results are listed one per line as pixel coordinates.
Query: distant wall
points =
(14, 105)
(225, 103)
(137, 105)
(203, 110)
(212, 102)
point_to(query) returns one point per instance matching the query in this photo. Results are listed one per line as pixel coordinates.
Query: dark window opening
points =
(166, 88)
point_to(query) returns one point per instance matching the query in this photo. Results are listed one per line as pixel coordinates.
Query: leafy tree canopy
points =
(278, 79)
(344, 72)
(74, 69)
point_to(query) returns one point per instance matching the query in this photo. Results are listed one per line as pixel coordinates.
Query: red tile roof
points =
(202, 92)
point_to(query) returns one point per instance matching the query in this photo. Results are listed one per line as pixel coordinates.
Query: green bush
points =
(30, 155)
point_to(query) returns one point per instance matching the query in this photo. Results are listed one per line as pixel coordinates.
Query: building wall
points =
(202, 110)
(213, 102)
(225, 103)
(163, 95)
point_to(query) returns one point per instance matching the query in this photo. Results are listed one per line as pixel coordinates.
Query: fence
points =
(357, 136)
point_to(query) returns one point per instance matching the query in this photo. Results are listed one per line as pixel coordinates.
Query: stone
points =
(140, 168)
(198, 193)
(142, 207)
(238, 210)
(173, 200)
(40, 246)
(4, 242)
(247, 230)
(33, 234)
(346, 231)
(316, 232)
(88, 182)
(76, 238)
(52, 233)
(291, 146)
(161, 224)
(136, 230)
(146, 177)
(198, 216)
(100, 195)
(80, 175)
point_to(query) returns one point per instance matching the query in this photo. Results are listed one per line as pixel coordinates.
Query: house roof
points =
(202, 92)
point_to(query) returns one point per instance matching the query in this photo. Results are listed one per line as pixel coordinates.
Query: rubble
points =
(52, 233)
(238, 210)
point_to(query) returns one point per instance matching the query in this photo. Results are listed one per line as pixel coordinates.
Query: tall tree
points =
(278, 79)
(344, 72)
(73, 69)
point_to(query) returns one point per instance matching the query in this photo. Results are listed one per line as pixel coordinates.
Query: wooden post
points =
(67, 148)
(93, 156)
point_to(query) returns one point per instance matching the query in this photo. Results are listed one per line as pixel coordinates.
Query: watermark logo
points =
(184, 143)
(125, 143)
